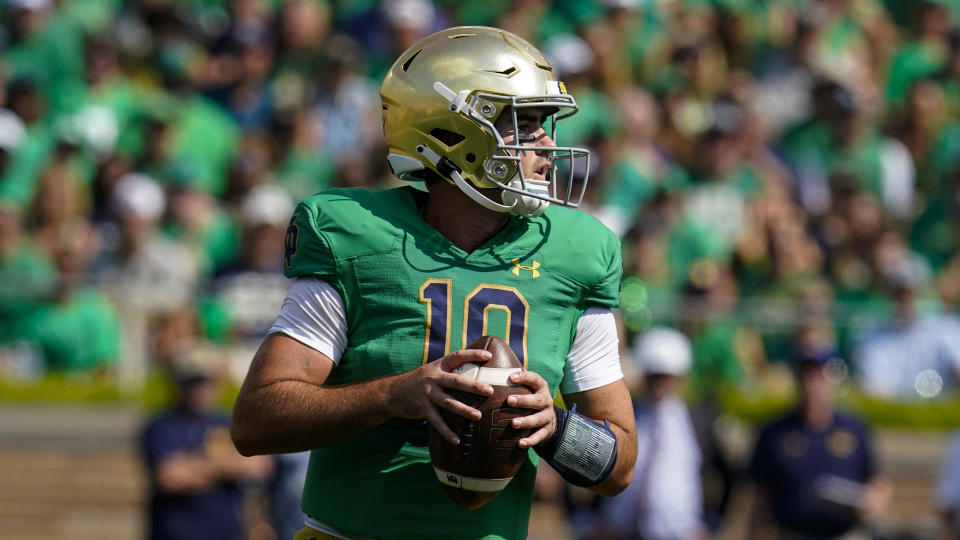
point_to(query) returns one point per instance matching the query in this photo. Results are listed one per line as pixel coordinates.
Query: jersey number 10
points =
(438, 295)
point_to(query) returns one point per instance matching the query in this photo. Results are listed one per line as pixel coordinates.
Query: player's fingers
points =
(454, 381)
(447, 402)
(539, 399)
(530, 379)
(534, 420)
(456, 359)
(536, 437)
(433, 416)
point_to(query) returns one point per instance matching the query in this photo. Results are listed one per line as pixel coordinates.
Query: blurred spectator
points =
(77, 330)
(12, 133)
(393, 27)
(934, 233)
(247, 294)
(665, 499)
(245, 67)
(196, 476)
(640, 168)
(921, 126)
(723, 186)
(253, 166)
(346, 108)
(727, 351)
(144, 272)
(849, 42)
(924, 54)
(285, 490)
(46, 45)
(27, 276)
(251, 100)
(842, 138)
(814, 470)
(302, 30)
(946, 494)
(196, 219)
(304, 170)
(574, 61)
(59, 201)
(33, 141)
(914, 353)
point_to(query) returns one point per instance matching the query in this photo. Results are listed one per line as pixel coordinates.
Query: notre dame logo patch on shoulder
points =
(290, 242)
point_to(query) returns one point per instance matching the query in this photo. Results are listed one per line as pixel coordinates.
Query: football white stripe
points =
(484, 485)
(497, 376)
(494, 376)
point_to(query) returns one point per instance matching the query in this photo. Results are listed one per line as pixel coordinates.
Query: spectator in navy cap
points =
(197, 479)
(814, 470)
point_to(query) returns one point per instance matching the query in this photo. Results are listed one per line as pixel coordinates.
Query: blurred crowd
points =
(775, 169)
(782, 173)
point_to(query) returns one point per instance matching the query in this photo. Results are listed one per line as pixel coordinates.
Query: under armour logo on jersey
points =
(533, 268)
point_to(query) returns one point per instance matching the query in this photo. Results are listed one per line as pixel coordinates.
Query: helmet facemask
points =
(521, 195)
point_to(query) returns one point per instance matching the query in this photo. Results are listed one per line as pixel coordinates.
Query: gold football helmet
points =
(441, 99)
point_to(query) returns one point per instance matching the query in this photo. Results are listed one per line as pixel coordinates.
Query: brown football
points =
(488, 455)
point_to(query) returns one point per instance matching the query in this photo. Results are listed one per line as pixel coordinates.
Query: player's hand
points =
(424, 391)
(544, 420)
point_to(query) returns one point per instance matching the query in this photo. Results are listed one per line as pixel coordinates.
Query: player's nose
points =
(544, 140)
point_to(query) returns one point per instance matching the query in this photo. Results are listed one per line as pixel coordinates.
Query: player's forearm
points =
(622, 472)
(606, 404)
(292, 416)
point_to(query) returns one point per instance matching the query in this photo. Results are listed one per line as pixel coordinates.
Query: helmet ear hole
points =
(471, 157)
(446, 137)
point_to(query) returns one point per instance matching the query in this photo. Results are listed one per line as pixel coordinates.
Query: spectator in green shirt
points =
(639, 167)
(78, 330)
(843, 139)
(27, 275)
(924, 54)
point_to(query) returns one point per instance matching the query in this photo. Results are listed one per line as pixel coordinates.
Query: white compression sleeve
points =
(313, 314)
(594, 357)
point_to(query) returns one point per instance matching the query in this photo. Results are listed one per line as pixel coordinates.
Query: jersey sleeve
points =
(606, 291)
(307, 250)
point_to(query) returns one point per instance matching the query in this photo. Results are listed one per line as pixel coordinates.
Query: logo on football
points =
(488, 455)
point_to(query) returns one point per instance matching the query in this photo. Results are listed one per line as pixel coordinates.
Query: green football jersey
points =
(411, 296)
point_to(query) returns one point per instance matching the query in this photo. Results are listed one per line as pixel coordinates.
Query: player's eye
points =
(526, 130)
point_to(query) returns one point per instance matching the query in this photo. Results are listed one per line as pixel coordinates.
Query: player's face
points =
(534, 164)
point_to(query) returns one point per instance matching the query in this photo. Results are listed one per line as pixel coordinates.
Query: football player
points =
(392, 284)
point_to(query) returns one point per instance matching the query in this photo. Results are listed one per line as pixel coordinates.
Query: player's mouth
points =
(540, 173)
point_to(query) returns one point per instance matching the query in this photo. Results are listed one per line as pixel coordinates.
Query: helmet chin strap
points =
(447, 168)
(517, 204)
(525, 205)
(479, 198)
